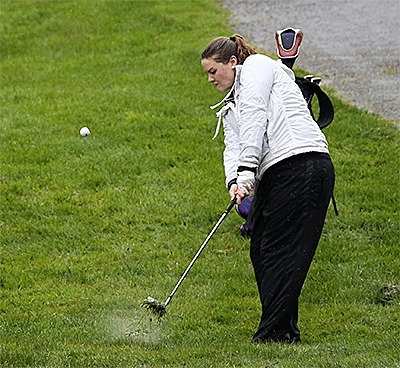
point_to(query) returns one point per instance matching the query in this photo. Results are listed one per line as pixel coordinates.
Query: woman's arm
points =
(231, 141)
(256, 81)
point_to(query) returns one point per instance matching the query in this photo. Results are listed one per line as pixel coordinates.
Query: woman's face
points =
(219, 74)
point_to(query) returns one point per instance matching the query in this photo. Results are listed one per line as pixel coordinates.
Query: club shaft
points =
(196, 256)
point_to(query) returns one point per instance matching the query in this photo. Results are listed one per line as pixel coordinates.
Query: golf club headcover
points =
(288, 42)
(243, 209)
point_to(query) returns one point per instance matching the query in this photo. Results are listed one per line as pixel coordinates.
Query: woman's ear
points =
(233, 61)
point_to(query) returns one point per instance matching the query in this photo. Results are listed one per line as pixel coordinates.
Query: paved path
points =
(353, 44)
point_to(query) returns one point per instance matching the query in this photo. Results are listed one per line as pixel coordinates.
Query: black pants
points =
(289, 211)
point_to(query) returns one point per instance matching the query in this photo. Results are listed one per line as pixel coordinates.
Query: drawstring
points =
(219, 103)
(222, 112)
(224, 99)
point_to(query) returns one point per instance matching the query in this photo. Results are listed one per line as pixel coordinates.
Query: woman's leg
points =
(290, 208)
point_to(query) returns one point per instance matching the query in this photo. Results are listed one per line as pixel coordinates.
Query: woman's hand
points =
(235, 192)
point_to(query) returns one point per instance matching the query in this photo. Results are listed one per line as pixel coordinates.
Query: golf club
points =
(158, 308)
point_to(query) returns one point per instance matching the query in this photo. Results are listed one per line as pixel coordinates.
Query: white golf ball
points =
(84, 132)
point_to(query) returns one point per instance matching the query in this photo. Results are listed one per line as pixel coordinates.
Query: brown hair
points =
(222, 48)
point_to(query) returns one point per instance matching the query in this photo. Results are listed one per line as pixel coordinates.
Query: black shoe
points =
(285, 340)
(245, 231)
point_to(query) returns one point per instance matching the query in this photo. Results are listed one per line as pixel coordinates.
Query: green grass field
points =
(89, 227)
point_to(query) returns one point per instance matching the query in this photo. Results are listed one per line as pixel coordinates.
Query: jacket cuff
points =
(246, 168)
(231, 182)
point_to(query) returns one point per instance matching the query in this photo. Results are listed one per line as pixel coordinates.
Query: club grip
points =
(231, 205)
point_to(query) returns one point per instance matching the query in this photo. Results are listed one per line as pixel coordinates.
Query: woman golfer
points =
(270, 136)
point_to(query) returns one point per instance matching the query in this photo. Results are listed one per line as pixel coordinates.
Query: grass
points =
(89, 227)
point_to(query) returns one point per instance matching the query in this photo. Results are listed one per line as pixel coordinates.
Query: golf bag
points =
(288, 43)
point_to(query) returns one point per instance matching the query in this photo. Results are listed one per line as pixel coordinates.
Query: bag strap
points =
(326, 111)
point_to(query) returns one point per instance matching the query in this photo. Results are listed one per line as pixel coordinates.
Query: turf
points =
(89, 227)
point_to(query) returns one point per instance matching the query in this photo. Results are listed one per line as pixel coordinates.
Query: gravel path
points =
(354, 45)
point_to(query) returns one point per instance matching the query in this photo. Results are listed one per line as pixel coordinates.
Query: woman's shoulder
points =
(258, 66)
(259, 62)
(258, 59)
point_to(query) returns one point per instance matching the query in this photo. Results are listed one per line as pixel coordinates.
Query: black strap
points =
(326, 111)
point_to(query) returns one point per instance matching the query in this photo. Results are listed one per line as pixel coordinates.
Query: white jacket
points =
(268, 121)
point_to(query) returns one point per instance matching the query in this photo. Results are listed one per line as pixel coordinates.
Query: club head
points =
(154, 306)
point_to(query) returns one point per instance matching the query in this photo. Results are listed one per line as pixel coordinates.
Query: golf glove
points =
(245, 181)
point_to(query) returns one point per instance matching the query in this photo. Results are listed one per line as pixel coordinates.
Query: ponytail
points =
(222, 48)
(243, 48)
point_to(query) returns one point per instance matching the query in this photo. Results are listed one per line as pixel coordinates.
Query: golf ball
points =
(84, 132)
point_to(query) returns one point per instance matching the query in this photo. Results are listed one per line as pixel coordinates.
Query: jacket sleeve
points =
(256, 82)
(231, 140)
